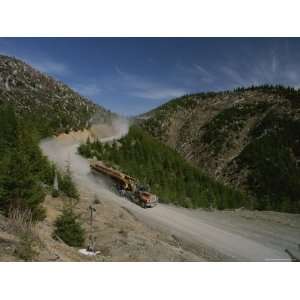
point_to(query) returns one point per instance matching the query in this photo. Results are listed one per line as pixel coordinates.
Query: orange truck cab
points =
(147, 199)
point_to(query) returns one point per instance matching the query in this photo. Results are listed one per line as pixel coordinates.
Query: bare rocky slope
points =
(43, 100)
(247, 138)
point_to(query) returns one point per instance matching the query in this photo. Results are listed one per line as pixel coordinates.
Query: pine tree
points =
(66, 184)
(69, 229)
(23, 167)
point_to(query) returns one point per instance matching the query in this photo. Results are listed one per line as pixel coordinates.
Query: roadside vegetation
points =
(66, 184)
(68, 226)
(162, 169)
(26, 176)
(24, 171)
(69, 229)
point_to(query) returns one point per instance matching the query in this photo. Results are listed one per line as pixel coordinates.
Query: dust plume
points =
(109, 129)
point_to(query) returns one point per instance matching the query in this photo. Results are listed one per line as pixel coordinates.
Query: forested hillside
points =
(247, 138)
(166, 173)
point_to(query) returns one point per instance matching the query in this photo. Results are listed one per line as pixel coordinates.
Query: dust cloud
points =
(63, 148)
(107, 130)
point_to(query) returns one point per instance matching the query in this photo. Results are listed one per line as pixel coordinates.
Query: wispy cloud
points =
(89, 90)
(41, 61)
(245, 68)
(274, 63)
(138, 86)
(159, 93)
(48, 66)
(270, 67)
(206, 75)
(233, 75)
(193, 75)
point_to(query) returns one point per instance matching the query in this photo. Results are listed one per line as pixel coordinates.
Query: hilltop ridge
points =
(43, 100)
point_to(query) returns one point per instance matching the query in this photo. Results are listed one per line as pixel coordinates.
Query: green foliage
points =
(8, 128)
(25, 249)
(268, 166)
(23, 168)
(274, 176)
(217, 131)
(66, 184)
(169, 176)
(69, 229)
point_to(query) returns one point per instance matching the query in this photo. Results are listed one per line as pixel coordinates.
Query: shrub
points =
(69, 229)
(66, 184)
(25, 250)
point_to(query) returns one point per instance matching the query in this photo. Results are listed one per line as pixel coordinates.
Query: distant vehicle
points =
(126, 185)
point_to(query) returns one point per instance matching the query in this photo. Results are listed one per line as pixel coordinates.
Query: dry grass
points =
(20, 223)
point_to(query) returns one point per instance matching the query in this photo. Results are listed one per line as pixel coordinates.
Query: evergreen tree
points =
(66, 184)
(69, 229)
(23, 167)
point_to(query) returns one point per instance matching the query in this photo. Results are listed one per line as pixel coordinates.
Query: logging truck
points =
(126, 185)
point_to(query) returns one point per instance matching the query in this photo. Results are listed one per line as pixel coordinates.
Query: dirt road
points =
(228, 235)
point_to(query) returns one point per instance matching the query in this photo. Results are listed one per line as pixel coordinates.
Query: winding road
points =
(219, 235)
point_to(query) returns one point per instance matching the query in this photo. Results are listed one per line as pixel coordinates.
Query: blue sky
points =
(132, 75)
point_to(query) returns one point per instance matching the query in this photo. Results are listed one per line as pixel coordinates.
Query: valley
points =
(225, 166)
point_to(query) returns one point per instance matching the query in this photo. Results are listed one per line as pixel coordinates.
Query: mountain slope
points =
(248, 138)
(45, 102)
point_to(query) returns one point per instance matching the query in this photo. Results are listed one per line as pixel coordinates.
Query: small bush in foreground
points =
(66, 184)
(69, 229)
